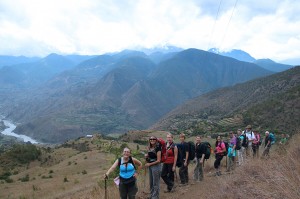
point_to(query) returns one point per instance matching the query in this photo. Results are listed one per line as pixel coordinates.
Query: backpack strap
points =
(130, 160)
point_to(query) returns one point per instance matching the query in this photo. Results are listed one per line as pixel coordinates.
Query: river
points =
(9, 131)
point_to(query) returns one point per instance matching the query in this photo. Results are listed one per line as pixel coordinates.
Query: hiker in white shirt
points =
(250, 137)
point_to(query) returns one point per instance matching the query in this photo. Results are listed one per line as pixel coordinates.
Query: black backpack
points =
(226, 146)
(238, 143)
(207, 150)
(245, 140)
(192, 150)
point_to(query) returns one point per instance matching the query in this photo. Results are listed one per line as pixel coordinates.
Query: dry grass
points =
(276, 177)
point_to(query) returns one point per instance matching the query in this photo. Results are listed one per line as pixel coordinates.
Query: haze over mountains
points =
(57, 98)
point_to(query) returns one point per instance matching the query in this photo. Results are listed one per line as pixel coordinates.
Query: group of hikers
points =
(163, 157)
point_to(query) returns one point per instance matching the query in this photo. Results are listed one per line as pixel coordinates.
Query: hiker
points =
(283, 139)
(249, 139)
(169, 165)
(240, 148)
(231, 152)
(153, 159)
(183, 170)
(219, 153)
(128, 174)
(268, 144)
(255, 144)
(200, 154)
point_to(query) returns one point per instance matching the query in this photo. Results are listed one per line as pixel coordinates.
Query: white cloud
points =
(269, 28)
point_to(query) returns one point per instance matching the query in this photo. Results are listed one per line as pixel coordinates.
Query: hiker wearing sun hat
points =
(249, 137)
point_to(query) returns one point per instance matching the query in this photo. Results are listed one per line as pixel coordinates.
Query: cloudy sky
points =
(263, 28)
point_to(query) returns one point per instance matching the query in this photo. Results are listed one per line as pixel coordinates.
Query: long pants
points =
(128, 190)
(241, 154)
(218, 161)
(184, 173)
(198, 171)
(255, 148)
(167, 175)
(154, 178)
(266, 151)
(230, 165)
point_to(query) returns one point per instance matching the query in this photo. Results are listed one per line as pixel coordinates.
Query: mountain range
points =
(114, 93)
(244, 56)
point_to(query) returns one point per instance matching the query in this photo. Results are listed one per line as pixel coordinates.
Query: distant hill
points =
(6, 60)
(119, 92)
(244, 56)
(271, 103)
(27, 75)
(271, 65)
(235, 53)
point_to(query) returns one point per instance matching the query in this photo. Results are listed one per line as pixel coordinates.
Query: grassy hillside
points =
(271, 102)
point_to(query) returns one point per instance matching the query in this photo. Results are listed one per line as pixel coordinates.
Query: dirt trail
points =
(192, 190)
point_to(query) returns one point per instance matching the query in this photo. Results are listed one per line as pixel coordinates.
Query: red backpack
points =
(162, 145)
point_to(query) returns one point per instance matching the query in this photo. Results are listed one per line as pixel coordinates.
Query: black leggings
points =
(218, 161)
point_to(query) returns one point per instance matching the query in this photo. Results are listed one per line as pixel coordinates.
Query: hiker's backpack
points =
(162, 144)
(245, 140)
(272, 138)
(238, 143)
(130, 160)
(192, 150)
(208, 150)
(226, 146)
(260, 140)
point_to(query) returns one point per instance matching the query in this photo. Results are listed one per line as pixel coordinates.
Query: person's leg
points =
(181, 174)
(123, 191)
(200, 171)
(164, 174)
(150, 180)
(132, 190)
(186, 173)
(156, 181)
(168, 176)
(196, 170)
(218, 163)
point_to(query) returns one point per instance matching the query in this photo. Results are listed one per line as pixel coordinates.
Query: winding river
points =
(9, 131)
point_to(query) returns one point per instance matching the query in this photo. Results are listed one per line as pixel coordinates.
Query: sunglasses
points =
(152, 139)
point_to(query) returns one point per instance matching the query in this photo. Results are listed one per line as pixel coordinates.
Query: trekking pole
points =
(105, 187)
(145, 173)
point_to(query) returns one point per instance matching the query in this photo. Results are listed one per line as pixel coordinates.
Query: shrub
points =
(25, 178)
(84, 172)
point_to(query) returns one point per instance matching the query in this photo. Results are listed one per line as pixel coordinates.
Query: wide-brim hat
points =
(248, 127)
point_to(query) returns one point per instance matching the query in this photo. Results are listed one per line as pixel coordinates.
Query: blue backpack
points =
(272, 138)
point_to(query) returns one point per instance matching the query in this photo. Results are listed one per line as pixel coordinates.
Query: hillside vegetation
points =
(269, 103)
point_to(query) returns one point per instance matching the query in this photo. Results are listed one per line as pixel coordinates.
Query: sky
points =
(263, 28)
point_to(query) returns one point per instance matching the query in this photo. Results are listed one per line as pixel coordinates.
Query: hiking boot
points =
(169, 190)
(182, 184)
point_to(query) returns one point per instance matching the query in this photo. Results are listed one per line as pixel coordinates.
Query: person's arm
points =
(186, 147)
(137, 162)
(202, 158)
(112, 168)
(158, 155)
(234, 146)
(140, 166)
(175, 157)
